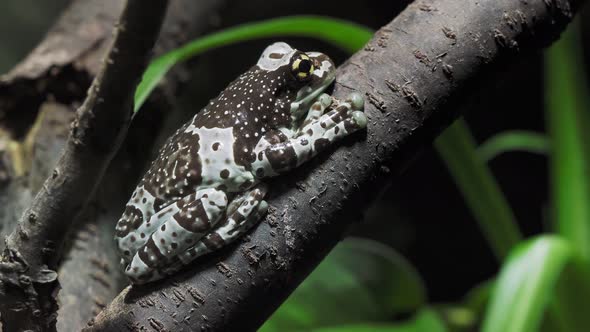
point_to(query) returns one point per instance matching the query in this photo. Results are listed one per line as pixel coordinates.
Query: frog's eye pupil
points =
(302, 67)
(305, 66)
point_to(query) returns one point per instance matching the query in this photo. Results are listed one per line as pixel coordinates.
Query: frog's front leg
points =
(316, 110)
(313, 137)
(195, 216)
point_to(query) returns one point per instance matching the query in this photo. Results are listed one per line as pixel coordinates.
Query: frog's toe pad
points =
(325, 100)
(360, 119)
(356, 101)
(262, 208)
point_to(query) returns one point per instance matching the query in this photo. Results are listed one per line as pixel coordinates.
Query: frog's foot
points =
(316, 110)
(241, 220)
(193, 219)
(314, 137)
(344, 119)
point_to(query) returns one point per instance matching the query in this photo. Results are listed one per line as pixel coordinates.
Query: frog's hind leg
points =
(131, 242)
(239, 221)
(193, 219)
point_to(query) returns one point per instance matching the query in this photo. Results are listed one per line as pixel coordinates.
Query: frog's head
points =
(297, 78)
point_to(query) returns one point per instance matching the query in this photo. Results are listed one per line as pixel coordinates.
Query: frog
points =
(207, 185)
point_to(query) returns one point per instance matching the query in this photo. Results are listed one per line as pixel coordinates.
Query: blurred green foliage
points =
(457, 148)
(567, 118)
(526, 286)
(424, 320)
(360, 280)
(513, 140)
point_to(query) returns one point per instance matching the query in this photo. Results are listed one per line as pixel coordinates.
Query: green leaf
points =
(527, 284)
(359, 281)
(482, 194)
(567, 106)
(569, 307)
(346, 35)
(425, 321)
(515, 140)
(466, 315)
(477, 298)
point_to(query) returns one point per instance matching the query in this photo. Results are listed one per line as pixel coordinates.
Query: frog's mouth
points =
(323, 75)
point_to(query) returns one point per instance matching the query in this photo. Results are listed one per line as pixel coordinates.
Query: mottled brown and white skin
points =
(205, 187)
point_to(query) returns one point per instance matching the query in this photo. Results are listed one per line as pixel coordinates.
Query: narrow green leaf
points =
(346, 35)
(527, 284)
(360, 281)
(567, 106)
(456, 317)
(477, 298)
(467, 314)
(515, 140)
(425, 321)
(569, 306)
(482, 194)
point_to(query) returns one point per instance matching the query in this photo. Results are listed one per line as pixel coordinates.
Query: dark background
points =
(422, 214)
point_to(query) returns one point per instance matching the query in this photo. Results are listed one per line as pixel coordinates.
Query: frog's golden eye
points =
(302, 67)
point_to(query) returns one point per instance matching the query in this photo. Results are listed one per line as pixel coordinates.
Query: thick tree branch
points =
(27, 270)
(415, 72)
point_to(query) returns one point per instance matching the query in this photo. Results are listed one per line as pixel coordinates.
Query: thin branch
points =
(90, 275)
(415, 72)
(56, 75)
(27, 270)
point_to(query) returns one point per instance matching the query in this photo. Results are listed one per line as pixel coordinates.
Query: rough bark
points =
(56, 74)
(415, 73)
(29, 262)
(65, 61)
(90, 275)
(64, 58)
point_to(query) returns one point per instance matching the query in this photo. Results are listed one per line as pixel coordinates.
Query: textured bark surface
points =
(90, 274)
(28, 267)
(62, 66)
(48, 85)
(416, 72)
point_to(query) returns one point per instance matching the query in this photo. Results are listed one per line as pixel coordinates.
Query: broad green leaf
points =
(346, 35)
(567, 108)
(479, 188)
(527, 285)
(514, 140)
(425, 321)
(359, 281)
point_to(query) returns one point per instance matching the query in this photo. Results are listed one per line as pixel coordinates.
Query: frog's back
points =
(216, 147)
(208, 151)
